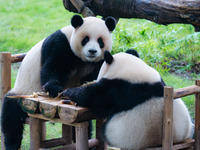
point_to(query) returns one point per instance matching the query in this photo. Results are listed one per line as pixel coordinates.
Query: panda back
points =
(28, 77)
(141, 126)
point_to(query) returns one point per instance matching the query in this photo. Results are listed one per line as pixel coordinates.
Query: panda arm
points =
(94, 97)
(56, 63)
(108, 97)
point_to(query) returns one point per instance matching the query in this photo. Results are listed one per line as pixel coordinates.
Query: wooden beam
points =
(186, 91)
(17, 57)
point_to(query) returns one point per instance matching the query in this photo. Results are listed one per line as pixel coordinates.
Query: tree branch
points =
(159, 11)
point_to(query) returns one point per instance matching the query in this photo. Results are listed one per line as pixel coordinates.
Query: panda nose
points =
(92, 51)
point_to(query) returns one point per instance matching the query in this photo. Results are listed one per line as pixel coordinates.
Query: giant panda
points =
(66, 58)
(129, 95)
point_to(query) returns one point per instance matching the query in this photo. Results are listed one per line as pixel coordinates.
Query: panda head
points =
(91, 37)
(129, 67)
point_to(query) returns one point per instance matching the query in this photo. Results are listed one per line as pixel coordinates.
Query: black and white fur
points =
(129, 94)
(67, 58)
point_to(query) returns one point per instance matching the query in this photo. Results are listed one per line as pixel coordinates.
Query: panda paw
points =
(52, 88)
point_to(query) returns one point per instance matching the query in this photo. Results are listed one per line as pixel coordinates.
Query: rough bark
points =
(159, 11)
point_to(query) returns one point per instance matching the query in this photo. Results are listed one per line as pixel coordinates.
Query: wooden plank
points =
(197, 118)
(168, 118)
(186, 91)
(31, 105)
(48, 107)
(17, 57)
(5, 81)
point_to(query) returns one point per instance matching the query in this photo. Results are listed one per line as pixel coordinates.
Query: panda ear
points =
(76, 21)
(133, 52)
(108, 57)
(110, 23)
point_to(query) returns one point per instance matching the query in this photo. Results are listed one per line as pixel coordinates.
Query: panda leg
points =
(12, 122)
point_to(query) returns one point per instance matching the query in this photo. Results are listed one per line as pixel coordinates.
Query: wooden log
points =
(17, 57)
(82, 136)
(48, 108)
(158, 11)
(186, 91)
(91, 143)
(167, 142)
(70, 114)
(5, 81)
(197, 118)
(53, 142)
(31, 105)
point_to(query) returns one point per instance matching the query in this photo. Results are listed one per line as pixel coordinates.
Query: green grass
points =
(24, 23)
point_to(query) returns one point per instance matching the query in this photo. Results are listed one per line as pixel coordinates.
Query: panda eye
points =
(100, 41)
(85, 40)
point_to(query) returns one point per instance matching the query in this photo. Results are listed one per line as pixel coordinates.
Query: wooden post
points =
(197, 118)
(36, 132)
(67, 133)
(82, 136)
(5, 81)
(102, 144)
(167, 142)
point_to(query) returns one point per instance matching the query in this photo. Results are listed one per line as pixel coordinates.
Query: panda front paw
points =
(53, 88)
(68, 93)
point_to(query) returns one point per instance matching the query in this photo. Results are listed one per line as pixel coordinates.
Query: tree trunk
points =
(159, 11)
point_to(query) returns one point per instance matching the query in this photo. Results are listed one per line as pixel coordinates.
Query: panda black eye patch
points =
(85, 40)
(100, 41)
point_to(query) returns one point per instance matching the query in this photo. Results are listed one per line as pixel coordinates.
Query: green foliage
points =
(159, 45)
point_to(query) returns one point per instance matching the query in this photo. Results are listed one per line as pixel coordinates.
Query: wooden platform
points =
(42, 109)
(53, 108)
